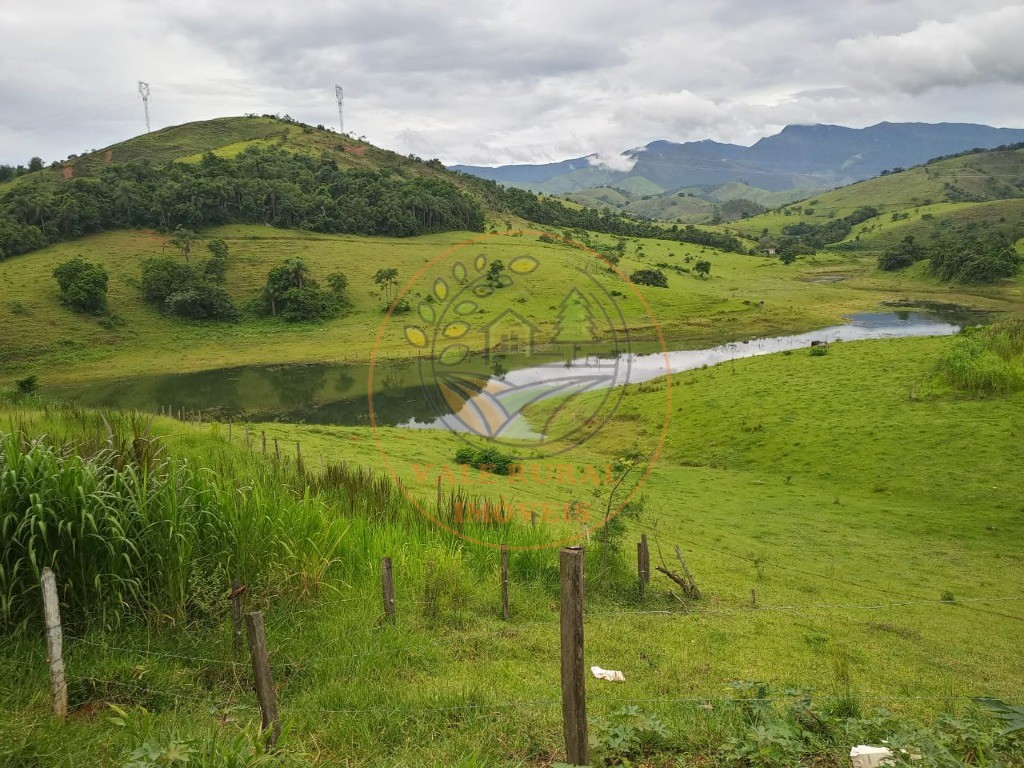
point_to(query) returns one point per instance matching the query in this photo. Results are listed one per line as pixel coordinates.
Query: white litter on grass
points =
(864, 756)
(611, 675)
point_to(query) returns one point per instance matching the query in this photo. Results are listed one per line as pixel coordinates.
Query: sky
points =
(520, 81)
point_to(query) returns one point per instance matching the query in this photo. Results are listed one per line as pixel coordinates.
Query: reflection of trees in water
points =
(205, 390)
(344, 380)
(498, 369)
(296, 384)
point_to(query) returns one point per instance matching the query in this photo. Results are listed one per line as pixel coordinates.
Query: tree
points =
(788, 257)
(702, 268)
(652, 277)
(218, 248)
(901, 255)
(496, 274)
(387, 281)
(183, 239)
(83, 286)
(35, 164)
(292, 294)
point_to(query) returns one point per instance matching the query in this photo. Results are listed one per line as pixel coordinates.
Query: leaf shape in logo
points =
(480, 263)
(415, 336)
(465, 308)
(459, 272)
(523, 265)
(454, 354)
(483, 291)
(456, 330)
(427, 313)
(440, 289)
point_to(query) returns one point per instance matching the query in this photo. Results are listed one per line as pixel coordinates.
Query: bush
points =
(901, 255)
(202, 302)
(83, 286)
(488, 459)
(28, 385)
(181, 290)
(653, 277)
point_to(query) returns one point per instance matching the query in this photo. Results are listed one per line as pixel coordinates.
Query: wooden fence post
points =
(54, 644)
(387, 582)
(640, 583)
(298, 458)
(247, 443)
(277, 451)
(753, 598)
(505, 609)
(229, 431)
(263, 437)
(574, 693)
(237, 615)
(265, 693)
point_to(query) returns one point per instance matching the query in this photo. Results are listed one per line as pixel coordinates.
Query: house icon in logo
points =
(509, 332)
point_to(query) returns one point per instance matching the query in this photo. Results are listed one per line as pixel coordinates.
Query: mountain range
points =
(800, 157)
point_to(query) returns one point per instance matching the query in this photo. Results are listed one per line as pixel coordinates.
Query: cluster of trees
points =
(292, 294)
(803, 238)
(961, 258)
(9, 172)
(257, 186)
(184, 290)
(543, 210)
(83, 286)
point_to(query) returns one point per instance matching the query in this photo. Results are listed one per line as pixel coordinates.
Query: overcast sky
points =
(483, 82)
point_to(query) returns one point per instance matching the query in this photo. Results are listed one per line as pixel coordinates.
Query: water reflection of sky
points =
(558, 379)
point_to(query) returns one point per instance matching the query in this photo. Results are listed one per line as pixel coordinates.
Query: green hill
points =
(975, 177)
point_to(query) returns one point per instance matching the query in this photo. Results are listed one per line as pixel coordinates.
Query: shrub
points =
(202, 302)
(652, 277)
(901, 255)
(83, 286)
(819, 351)
(488, 459)
(27, 385)
(181, 290)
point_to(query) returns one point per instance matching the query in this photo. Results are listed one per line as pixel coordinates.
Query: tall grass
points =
(987, 360)
(157, 526)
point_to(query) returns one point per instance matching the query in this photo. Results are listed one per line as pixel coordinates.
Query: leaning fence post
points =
(237, 615)
(505, 609)
(55, 644)
(387, 582)
(574, 693)
(265, 694)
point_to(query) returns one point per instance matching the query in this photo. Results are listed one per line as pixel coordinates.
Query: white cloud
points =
(523, 81)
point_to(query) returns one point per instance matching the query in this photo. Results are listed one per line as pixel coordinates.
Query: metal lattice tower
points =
(339, 94)
(144, 93)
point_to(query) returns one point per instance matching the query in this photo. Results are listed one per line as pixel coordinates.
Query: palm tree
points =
(183, 240)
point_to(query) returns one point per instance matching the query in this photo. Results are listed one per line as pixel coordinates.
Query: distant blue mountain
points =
(800, 156)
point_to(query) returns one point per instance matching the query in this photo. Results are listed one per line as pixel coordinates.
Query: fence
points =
(574, 618)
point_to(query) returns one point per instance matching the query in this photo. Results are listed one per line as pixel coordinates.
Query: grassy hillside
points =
(226, 137)
(974, 177)
(744, 297)
(878, 520)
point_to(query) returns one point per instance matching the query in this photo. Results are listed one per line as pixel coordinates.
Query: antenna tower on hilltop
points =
(339, 94)
(144, 93)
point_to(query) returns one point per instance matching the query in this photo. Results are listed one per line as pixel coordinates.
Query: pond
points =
(337, 394)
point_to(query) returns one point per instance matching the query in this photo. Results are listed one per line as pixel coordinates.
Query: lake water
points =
(337, 394)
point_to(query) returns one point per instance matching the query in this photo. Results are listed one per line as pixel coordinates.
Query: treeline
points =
(258, 186)
(804, 238)
(543, 210)
(961, 258)
(9, 172)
